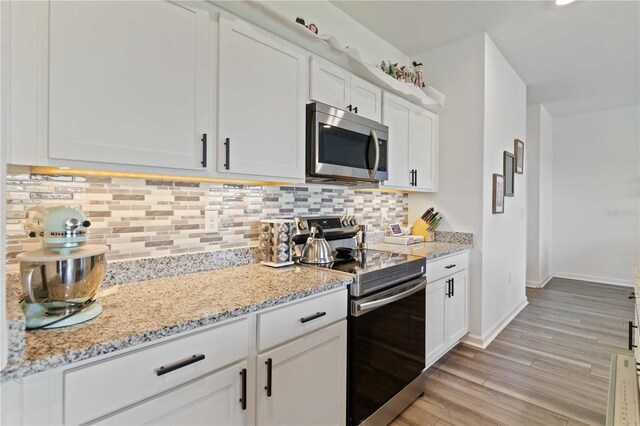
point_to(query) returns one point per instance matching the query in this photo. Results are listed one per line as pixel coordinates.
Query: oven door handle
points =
(361, 308)
(374, 169)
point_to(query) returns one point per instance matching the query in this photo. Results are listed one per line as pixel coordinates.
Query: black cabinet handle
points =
(350, 107)
(631, 327)
(269, 363)
(416, 179)
(448, 288)
(355, 110)
(453, 265)
(632, 295)
(227, 153)
(204, 150)
(179, 364)
(312, 317)
(243, 398)
(453, 287)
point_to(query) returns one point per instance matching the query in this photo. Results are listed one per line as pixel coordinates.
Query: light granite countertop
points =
(430, 250)
(141, 312)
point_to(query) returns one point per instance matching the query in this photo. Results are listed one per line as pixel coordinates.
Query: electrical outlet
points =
(210, 221)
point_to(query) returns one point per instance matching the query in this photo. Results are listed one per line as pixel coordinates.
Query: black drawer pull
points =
(179, 364)
(269, 363)
(227, 153)
(312, 317)
(204, 150)
(632, 295)
(453, 265)
(449, 288)
(453, 287)
(243, 398)
(631, 327)
(350, 107)
(355, 110)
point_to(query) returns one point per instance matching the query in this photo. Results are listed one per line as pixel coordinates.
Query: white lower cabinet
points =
(216, 399)
(304, 381)
(447, 308)
(212, 376)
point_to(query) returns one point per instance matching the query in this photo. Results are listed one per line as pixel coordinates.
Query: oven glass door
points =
(386, 353)
(345, 148)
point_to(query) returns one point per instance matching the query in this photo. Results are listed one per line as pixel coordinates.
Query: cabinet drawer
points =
(440, 268)
(300, 318)
(101, 388)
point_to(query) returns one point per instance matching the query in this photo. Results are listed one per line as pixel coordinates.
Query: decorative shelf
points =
(329, 47)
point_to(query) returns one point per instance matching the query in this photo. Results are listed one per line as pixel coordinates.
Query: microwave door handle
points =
(374, 170)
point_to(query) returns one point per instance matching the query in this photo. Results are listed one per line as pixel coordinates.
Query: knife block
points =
(420, 228)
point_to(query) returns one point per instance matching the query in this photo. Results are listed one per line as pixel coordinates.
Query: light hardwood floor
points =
(549, 366)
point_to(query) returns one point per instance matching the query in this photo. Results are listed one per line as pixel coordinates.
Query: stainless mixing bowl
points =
(64, 285)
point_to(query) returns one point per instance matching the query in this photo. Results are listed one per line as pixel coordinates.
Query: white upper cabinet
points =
(413, 145)
(129, 83)
(329, 83)
(423, 149)
(396, 113)
(337, 87)
(366, 98)
(261, 110)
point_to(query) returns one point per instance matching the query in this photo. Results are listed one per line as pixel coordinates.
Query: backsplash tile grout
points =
(141, 218)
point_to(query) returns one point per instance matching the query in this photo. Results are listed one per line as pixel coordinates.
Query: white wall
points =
(457, 70)
(504, 235)
(596, 188)
(486, 111)
(538, 153)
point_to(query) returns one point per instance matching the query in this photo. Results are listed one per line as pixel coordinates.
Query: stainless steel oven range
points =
(386, 337)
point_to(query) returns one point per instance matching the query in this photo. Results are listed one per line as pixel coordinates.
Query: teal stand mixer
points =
(60, 280)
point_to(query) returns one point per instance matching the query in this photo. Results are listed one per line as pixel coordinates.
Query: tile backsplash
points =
(149, 218)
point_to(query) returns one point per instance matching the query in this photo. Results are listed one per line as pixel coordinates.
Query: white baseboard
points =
(479, 342)
(539, 284)
(594, 278)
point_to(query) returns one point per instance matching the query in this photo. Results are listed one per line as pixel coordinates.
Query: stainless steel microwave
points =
(343, 147)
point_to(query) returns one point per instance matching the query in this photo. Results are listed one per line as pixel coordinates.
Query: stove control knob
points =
(345, 222)
(353, 222)
(302, 225)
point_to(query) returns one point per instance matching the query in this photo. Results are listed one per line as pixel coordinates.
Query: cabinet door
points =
(261, 104)
(456, 309)
(329, 83)
(436, 337)
(396, 115)
(210, 400)
(423, 148)
(129, 83)
(308, 380)
(366, 99)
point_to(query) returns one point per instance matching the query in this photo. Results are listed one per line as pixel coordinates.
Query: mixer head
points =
(61, 228)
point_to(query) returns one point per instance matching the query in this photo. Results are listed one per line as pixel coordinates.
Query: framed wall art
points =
(498, 194)
(507, 170)
(518, 150)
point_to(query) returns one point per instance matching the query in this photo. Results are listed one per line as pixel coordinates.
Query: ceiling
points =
(577, 58)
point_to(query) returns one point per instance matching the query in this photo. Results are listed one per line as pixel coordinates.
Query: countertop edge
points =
(17, 371)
